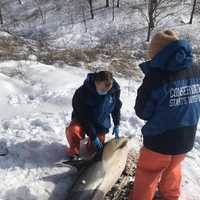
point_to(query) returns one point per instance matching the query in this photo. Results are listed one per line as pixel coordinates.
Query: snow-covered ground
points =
(60, 23)
(35, 104)
(35, 99)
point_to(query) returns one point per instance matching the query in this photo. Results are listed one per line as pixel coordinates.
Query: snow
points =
(35, 99)
(35, 106)
(32, 123)
(61, 23)
(4, 34)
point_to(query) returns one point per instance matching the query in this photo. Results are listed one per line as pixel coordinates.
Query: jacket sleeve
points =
(145, 102)
(116, 111)
(80, 108)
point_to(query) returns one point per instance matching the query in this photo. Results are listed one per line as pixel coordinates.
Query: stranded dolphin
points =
(99, 174)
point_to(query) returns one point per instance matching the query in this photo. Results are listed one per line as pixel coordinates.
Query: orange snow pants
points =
(75, 134)
(157, 170)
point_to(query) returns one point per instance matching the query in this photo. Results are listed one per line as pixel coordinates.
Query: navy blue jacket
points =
(169, 99)
(93, 111)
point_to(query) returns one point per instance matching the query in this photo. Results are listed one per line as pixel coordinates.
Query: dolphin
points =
(98, 174)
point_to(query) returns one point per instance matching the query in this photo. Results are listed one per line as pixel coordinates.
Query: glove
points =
(116, 132)
(97, 144)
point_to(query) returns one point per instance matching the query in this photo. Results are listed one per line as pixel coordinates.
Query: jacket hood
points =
(174, 57)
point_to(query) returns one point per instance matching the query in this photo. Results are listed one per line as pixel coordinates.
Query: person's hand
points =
(116, 132)
(97, 144)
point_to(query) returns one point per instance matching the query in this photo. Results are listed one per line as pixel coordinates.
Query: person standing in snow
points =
(93, 102)
(169, 101)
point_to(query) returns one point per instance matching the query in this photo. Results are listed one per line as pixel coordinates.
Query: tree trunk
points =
(151, 10)
(113, 12)
(1, 17)
(149, 32)
(84, 18)
(40, 11)
(107, 3)
(150, 13)
(193, 10)
(72, 20)
(20, 2)
(118, 3)
(91, 9)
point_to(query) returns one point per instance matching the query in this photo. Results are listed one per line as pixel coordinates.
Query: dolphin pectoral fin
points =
(97, 156)
(82, 163)
(76, 163)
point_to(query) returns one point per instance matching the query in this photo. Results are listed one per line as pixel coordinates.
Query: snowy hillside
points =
(55, 31)
(35, 106)
(62, 23)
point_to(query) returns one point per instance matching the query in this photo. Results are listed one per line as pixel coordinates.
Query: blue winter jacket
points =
(92, 110)
(169, 99)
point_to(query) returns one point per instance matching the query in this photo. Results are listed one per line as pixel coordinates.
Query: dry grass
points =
(117, 61)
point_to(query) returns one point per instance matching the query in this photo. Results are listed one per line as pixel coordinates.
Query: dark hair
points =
(104, 76)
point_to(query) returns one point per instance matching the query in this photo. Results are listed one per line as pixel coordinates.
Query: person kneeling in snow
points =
(93, 103)
(169, 101)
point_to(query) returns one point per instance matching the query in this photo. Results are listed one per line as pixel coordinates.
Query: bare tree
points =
(84, 18)
(118, 3)
(72, 19)
(107, 3)
(193, 11)
(1, 17)
(152, 4)
(113, 10)
(91, 9)
(40, 11)
(20, 2)
(155, 12)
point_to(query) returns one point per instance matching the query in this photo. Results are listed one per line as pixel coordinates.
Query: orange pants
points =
(157, 170)
(75, 134)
